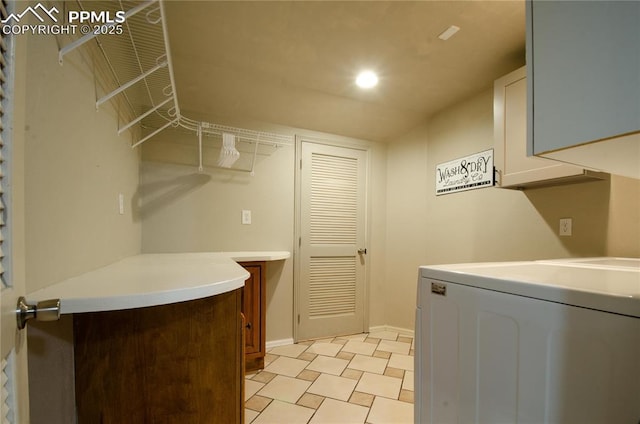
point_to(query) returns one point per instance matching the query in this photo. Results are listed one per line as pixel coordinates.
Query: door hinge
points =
(300, 163)
(299, 241)
(298, 318)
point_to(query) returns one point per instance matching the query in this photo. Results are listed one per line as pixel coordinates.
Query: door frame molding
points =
(336, 142)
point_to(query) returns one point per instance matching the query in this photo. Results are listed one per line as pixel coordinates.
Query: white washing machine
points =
(529, 342)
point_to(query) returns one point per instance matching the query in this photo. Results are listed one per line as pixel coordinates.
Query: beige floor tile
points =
(405, 339)
(352, 374)
(363, 399)
(407, 382)
(379, 385)
(368, 363)
(292, 351)
(345, 355)
(287, 366)
(281, 412)
(263, 376)
(372, 340)
(394, 372)
(412, 353)
(251, 388)
(381, 354)
(326, 349)
(360, 337)
(257, 403)
(406, 396)
(286, 389)
(357, 346)
(386, 335)
(306, 356)
(310, 400)
(249, 415)
(251, 374)
(308, 375)
(340, 341)
(332, 386)
(334, 411)
(389, 411)
(269, 358)
(307, 342)
(404, 362)
(328, 365)
(394, 347)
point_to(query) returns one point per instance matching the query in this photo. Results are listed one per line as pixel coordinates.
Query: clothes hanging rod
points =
(249, 136)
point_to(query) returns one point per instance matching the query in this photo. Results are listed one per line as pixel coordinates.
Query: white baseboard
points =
(276, 343)
(402, 331)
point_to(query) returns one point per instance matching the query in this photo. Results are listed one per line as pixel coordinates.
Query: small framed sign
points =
(468, 173)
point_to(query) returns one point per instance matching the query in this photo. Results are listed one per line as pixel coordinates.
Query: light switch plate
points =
(246, 217)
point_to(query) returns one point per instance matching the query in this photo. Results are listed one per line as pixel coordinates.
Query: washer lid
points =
(607, 288)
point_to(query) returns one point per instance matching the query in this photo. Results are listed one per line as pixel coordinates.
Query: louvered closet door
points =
(13, 358)
(332, 227)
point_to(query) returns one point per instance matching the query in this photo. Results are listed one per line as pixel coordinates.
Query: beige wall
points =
(623, 238)
(185, 210)
(490, 224)
(75, 166)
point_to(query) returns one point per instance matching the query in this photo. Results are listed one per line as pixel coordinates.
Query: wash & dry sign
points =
(468, 173)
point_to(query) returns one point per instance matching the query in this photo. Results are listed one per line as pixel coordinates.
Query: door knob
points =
(362, 251)
(46, 310)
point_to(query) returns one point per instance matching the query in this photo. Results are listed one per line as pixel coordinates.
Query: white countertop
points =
(606, 284)
(152, 279)
(257, 256)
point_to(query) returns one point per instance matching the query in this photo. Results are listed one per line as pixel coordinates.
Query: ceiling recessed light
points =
(448, 33)
(367, 79)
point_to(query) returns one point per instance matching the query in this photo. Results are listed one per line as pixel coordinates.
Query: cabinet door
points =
(254, 310)
(584, 65)
(251, 306)
(515, 168)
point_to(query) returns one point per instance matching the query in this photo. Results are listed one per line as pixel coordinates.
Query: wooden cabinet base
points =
(177, 363)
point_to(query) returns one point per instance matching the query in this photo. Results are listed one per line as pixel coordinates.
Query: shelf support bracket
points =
(130, 83)
(144, 115)
(155, 132)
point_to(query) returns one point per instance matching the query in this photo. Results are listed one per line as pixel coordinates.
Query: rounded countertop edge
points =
(146, 300)
(146, 280)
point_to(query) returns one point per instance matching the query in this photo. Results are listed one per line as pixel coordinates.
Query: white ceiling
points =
(294, 63)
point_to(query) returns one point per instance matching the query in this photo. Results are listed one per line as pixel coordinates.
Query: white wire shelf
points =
(139, 71)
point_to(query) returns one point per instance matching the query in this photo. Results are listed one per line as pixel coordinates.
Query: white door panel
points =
(332, 276)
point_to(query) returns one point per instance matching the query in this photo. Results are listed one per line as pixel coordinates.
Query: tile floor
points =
(365, 378)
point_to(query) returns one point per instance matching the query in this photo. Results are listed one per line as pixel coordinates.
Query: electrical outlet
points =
(246, 217)
(565, 226)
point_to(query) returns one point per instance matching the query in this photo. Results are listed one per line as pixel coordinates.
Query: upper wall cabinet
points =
(583, 62)
(515, 168)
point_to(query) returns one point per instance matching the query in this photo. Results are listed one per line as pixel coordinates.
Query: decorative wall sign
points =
(468, 173)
